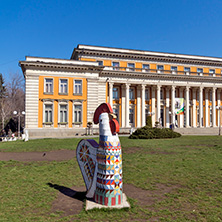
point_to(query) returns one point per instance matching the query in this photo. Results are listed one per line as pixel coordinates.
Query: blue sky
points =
(53, 28)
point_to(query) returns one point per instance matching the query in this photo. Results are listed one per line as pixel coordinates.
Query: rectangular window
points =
(116, 112)
(63, 86)
(63, 115)
(146, 67)
(131, 94)
(131, 116)
(77, 113)
(131, 66)
(161, 94)
(186, 69)
(100, 63)
(78, 86)
(115, 93)
(48, 113)
(48, 86)
(147, 94)
(115, 65)
(199, 71)
(160, 68)
(173, 69)
(211, 72)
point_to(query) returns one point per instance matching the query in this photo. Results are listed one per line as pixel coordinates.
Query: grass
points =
(183, 176)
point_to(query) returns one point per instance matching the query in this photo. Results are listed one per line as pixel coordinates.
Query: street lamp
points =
(219, 108)
(19, 114)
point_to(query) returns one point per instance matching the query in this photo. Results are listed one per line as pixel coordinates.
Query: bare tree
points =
(12, 98)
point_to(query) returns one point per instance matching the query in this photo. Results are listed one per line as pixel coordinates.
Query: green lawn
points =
(182, 177)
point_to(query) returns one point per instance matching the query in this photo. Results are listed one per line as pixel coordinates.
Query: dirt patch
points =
(148, 197)
(57, 155)
(69, 200)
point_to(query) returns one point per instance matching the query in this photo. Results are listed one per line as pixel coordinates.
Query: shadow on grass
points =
(69, 192)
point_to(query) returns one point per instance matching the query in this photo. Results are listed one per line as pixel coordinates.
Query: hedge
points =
(154, 133)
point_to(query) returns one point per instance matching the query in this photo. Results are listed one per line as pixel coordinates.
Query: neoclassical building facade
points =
(62, 95)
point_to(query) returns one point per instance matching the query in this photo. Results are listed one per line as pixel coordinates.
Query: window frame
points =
(146, 69)
(114, 98)
(74, 84)
(45, 79)
(174, 69)
(62, 103)
(45, 103)
(81, 115)
(131, 66)
(199, 71)
(114, 66)
(116, 107)
(133, 93)
(100, 62)
(211, 73)
(160, 68)
(63, 93)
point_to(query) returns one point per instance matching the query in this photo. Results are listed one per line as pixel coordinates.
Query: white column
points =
(127, 105)
(214, 106)
(153, 105)
(173, 105)
(167, 107)
(194, 90)
(138, 106)
(158, 103)
(143, 105)
(218, 104)
(206, 108)
(187, 107)
(111, 94)
(181, 116)
(201, 106)
(123, 104)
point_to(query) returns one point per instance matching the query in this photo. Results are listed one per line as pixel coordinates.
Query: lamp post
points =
(219, 108)
(19, 114)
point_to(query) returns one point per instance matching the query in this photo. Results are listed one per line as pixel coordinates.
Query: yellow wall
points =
(56, 96)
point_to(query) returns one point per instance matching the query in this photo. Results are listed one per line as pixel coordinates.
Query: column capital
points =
(201, 88)
(127, 85)
(111, 83)
(143, 86)
(187, 87)
(173, 87)
(214, 89)
(158, 87)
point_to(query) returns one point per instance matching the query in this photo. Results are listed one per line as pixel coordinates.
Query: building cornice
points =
(58, 67)
(158, 76)
(158, 57)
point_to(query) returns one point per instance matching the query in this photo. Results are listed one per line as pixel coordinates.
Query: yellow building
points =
(61, 95)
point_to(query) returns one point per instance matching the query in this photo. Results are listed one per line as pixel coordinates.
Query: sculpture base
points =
(90, 204)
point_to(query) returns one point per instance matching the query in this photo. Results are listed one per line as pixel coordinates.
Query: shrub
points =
(149, 121)
(154, 133)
